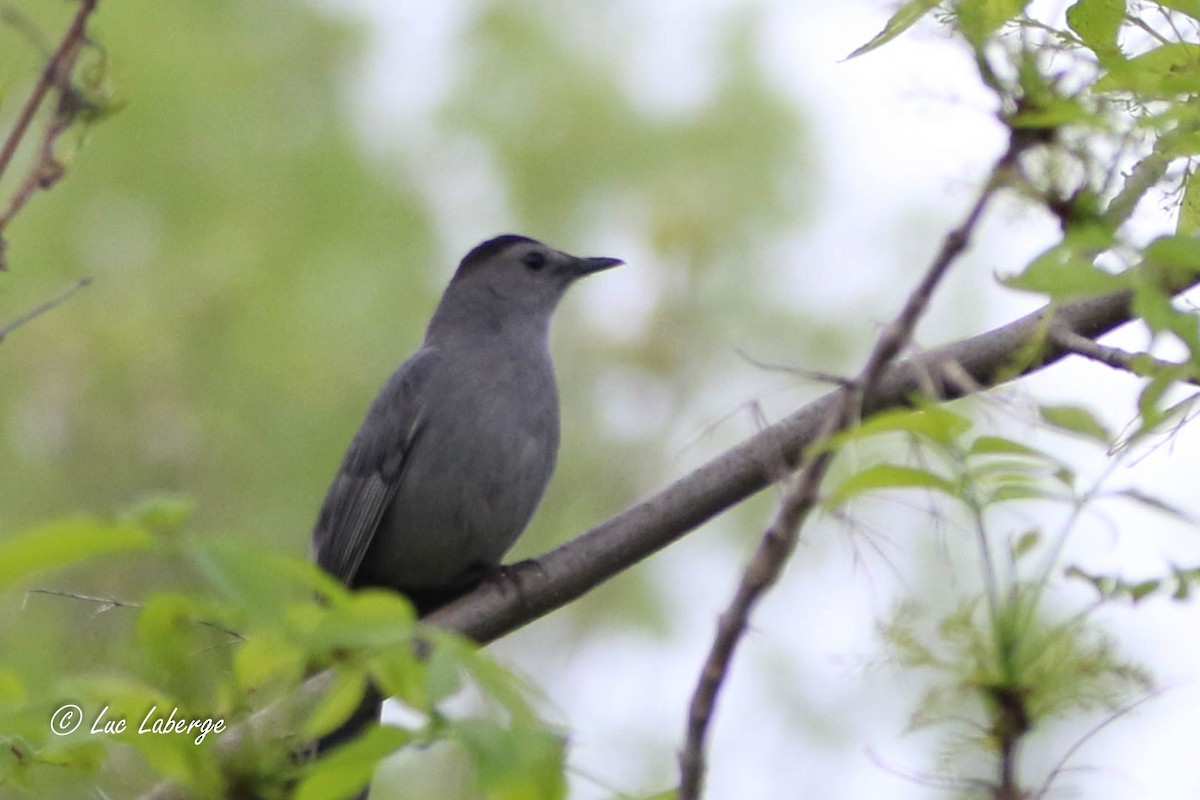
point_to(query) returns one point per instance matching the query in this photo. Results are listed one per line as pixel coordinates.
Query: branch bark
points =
(56, 75)
(496, 609)
(42, 308)
(802, 495)
(567, 572)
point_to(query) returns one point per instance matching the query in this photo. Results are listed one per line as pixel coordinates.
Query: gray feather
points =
(456, 451)
(372, 470)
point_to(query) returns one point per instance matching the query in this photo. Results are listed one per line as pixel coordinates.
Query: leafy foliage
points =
(293, 289)
(246, 637)
(1002, 664)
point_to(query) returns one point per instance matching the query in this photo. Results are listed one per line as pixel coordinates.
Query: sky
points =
(902, 136)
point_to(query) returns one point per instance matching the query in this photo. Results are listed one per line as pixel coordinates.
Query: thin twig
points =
(56, 75)
(1087, 737)
(50, 77)
(105, 603)
(780, 538)
(800, 372)
(24, 26)
(1112, 356)
(109, 603)
(571, 570)
(48, 305)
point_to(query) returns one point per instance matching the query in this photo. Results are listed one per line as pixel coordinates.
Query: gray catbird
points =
(457, 449)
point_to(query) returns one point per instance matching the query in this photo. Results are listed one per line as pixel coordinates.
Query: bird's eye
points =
(535, 261)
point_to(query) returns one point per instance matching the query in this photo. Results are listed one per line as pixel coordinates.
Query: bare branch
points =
(1087, 737)
(799, 372)
(109, 603)
(965, 367)
(779, 540)
(105, 603)
(48, 305)
(56, 75)
(572, 569)
(1114, 357)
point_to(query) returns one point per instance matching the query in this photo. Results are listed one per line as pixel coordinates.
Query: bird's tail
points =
(371, 705)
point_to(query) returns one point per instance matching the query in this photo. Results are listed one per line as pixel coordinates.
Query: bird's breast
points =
(478, 471)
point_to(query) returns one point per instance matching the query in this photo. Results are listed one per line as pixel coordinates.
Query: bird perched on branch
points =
(456, 450)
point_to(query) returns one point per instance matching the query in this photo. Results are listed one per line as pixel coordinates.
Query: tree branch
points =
(57, 75)
(107, 604)
(779, 540)
(1142, 364)
(955, 370)
(37, 311)
(569, 571)
(494, 609)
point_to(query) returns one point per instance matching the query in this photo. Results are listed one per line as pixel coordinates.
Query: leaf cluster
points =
(249, 634)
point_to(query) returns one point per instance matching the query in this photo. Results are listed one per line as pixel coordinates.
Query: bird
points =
(456, 450)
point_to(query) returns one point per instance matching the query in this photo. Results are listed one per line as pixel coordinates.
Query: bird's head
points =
(512, 278)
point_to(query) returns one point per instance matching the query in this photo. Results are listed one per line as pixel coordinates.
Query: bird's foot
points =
(509, 578)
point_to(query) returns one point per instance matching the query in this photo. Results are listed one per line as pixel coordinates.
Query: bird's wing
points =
(370, 474)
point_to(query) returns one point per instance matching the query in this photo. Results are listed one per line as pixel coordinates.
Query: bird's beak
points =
(586, 266)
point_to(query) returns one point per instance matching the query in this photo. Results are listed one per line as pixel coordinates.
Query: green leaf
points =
(402, 672)
(514, 763)
(500, 685)
(167, 633)
(338, 703)
(372, 618)
(12, 689)
(263, 660)
(1153, 306)
(1184, 579)
(86, 757)
(1067, 270)
(1065, 475)
(1189, 207)
(1076, 419)
(1139, 590)
(1097, 23)
(1150, 403)
(443, 675)
(1189, 7)
(1169, 263)
(1026, 542)
(346, 770)
(263, 583)
(979, 19)
(888, 476)
(175, 756)
(1181, 142)
(69, 541)
(1027, 490)
(936, 424)
(1008, 468)
(1176, 253)
(1051, 111)
(995, 445)
(1164, 72)
(161, 512)
(904, 18)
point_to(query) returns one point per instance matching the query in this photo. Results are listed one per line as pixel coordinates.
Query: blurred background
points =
(272, 215)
